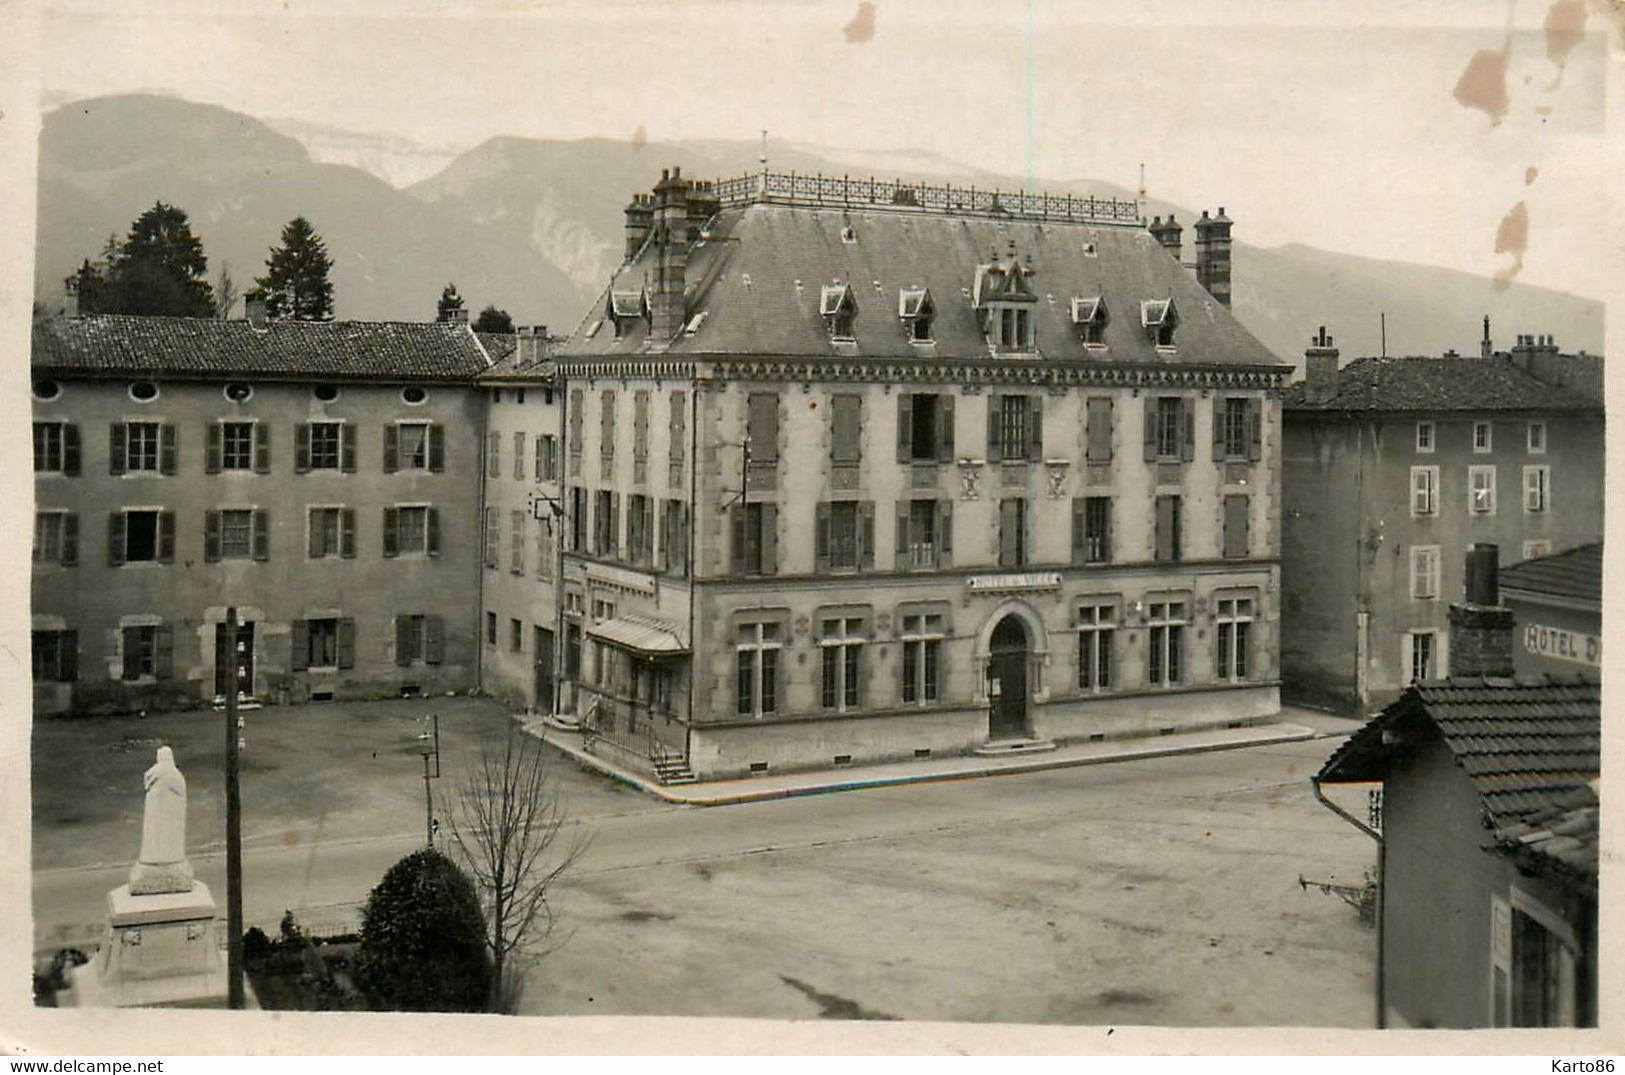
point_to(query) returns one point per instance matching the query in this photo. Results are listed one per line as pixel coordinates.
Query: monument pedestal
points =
(160, 949)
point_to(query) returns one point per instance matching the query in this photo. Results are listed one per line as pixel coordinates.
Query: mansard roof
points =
(760, 272)
(1424, 385)
(118, 345)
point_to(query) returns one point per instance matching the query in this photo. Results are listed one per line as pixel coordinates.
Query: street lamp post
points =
(429, 748)
(234, 821)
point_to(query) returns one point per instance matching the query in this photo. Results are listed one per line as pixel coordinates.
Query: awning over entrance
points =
(642, 635)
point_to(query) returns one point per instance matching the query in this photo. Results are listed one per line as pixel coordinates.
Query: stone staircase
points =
(671, 768)
(998, 748)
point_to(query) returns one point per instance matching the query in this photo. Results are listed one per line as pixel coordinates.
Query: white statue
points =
(162, 866)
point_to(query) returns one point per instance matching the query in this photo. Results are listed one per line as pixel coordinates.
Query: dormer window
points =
(1004, 299)
(916, 310)
(625, 308)
(1159, 319)
(1089, 314)
(839, 310)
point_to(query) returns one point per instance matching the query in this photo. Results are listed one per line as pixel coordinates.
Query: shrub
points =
(423, 945)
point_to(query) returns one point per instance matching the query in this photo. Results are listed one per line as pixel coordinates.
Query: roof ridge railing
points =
(847, 192)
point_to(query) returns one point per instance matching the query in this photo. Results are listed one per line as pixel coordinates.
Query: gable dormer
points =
(1005, 301)
(916, 310)
(625, 308)
(1160, 319)
(839, 309)
(1090, 316)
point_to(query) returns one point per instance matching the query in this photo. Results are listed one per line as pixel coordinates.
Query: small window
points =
(143, 391)
(490, 628)
(414, 395)
(238, 392)
(327, 393)
(1482, 437)
(1089, 315)
(1423, 655)
(1424, 436)
(1424, 491)
(1160, 319)
(46, 389)
(1537, 492)
(849, 235)
(1424, 572)
(1537, 438)
(1481, 490)
(1535, 549)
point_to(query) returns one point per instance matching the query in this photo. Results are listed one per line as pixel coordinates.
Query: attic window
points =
(1089, 250)
(694, 323)
(1003, 296)
(327, 393)
(839, 310)
(624, 308)
(238, 392)
(917, 311)
(1089, 314)
(1159, 319)
(143, 391)
(849, 234)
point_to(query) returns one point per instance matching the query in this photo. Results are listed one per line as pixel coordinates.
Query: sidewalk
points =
(1303, 724)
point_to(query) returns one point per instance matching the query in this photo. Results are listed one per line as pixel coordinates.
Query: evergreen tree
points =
(159, 269)
(423, 944)
(295, 284)
(492, 319)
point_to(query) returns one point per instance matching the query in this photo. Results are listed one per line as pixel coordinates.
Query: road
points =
(1204, 819)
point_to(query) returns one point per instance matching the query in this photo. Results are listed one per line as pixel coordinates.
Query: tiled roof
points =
(1562, 834)
(761, 273)
(122, 345)
(1575, 573)
(498, 345)
(519, 359)
(1524, 744)
(1421, 385)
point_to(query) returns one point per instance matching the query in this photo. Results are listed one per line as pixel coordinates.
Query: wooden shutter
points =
(131, 666)
(301, 447)
(67, 656)
(347, 448)
(70, 449)
(163, 658)
(1080, 507)
(432, 525)
(315, 543)
(168, 448)
(945, 428)
(1009, 532)
(347, 642)
(945, 532)
(392, 448)
(166, 537)
(763, 431)
(770, 539)
(392, 519)
(211, 449)
(1100, 430)
(866, 535)
(347, 533)
(1150, 429)
(115, 448)
(905, 427)
(994, 451)
(1255, 429)
(211, 536)
(1035, 428)
(821, 539)
(901, 542)
(299, 658)
(614, 534)
(1177, 539)
(434, 639)
(1235, 526)
(437, 447)
(260, 541)
(1221, 412)
(403, 636)
(262, 448)
(115, 538)
(1187, 414)
(70, 539)
(736, 527)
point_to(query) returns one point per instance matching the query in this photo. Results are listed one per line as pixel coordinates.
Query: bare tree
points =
(225, 293)
(509, 825)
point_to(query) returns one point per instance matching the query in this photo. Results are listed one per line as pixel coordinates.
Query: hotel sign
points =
(1018, 580)
(1561, 645)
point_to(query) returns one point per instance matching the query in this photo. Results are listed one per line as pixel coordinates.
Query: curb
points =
(1297, 733)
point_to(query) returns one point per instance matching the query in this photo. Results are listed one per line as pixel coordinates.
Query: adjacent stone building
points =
(321, 477)
(859, 471)
(1392, 466)
(1556, 602)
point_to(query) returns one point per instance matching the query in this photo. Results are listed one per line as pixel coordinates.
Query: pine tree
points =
(295, 284)
(160, 268)
(492, 319)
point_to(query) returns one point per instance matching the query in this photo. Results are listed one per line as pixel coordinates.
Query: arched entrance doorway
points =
(1007, 679)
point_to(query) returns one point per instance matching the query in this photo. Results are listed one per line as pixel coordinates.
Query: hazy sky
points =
(1333, 124)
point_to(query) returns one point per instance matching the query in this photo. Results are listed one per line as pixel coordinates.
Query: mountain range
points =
(535, 227)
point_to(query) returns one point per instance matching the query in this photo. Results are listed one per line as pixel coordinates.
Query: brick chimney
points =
(254, 308)
(1486, 349)
(70, 296)
(1480, 626)
(1320, 368)
(1167, 234)
(1213, 255)
(666, 311)
(640, 214)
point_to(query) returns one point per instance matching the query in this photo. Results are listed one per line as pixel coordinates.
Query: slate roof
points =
(498, 345)
(1423, 385)
(1574, 573)
(513, 361)
(760, 273)
(190, 347)
(1561, 835)
(1531, 747)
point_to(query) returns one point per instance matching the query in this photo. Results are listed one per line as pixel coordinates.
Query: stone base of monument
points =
(160, 950)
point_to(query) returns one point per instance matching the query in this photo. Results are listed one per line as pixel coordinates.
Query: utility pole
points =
(234, 823)
(429, 747)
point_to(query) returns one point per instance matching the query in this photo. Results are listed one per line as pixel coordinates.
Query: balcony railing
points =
(845, 191)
